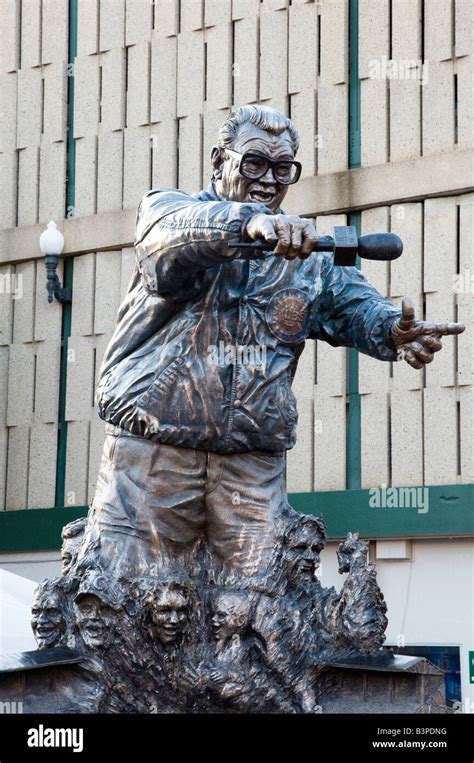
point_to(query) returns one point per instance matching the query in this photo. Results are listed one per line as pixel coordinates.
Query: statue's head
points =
(48, 614)
(255, 133)
(97, 605)
(230, 614)
(168, 603)
(71, 535)
(303, 541)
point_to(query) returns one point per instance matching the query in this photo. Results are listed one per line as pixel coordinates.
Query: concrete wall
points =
(34, 566)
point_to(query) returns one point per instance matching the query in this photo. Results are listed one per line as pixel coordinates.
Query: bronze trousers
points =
(152, 498)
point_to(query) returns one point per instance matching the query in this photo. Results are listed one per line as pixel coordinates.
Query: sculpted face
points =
(169, 615)
(231, 185)
(48, 622)
(303, 555)
(69, 552)
(94, 619)
(230, 615)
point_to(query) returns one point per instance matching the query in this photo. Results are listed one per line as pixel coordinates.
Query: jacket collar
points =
(209, 194)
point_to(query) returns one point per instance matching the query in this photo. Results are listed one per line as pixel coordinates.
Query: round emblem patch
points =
(288, 315)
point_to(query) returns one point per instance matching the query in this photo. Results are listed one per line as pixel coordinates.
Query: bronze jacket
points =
(207, 340)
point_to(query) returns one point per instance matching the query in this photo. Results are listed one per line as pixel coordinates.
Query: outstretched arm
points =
(350, 312)
(179, 236)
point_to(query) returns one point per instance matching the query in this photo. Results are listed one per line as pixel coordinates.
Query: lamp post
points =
(51, 244)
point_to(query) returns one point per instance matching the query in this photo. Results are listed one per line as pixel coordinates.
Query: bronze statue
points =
(49, 614)
(195, 388)
(71, 535)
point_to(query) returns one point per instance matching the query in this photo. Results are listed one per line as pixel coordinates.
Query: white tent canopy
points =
(16, 595)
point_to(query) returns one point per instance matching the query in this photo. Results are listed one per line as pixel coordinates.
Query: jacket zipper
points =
(233, 388)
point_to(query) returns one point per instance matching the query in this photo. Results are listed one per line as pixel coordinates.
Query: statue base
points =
(60, 680)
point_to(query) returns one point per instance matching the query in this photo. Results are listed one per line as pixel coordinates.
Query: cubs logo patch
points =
(288, 315)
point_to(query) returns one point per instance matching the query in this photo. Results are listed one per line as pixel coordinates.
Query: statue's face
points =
(47, 621)
(303, 556)
(229, 616)
(234, 187)
(94, 619)
(69, 552)
(169, 615)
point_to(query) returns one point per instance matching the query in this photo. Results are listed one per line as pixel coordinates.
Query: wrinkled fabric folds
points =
(193, 298)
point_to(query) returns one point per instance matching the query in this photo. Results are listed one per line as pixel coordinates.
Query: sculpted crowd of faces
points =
(230, 615)
(302, 554)
(73, 534)
(169, 613)
(69, 552)
(94, 619)
(48, 621)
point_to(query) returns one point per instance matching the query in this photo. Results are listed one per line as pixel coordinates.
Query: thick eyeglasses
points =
(254, 166)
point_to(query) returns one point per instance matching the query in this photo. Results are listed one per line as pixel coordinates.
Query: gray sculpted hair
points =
(266, 118)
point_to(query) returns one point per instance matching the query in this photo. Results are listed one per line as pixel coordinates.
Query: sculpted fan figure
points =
(194, 447)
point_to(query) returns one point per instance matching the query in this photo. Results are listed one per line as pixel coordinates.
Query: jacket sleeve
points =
(350, 312)
(179, 237)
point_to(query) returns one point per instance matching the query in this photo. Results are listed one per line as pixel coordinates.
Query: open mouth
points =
(44, 630)
(306, 567)
(93, 631)
(262, 197)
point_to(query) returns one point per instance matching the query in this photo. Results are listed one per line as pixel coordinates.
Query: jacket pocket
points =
(162, 383)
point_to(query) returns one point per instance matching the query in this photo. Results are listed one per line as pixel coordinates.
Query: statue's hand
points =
(294, 236)
(417, 341)
(352, 553)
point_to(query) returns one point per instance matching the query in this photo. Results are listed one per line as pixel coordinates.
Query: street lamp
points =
(51, 244)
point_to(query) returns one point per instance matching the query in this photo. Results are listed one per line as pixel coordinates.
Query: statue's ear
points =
(217, 160)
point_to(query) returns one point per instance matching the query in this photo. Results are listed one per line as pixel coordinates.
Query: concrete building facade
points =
(102, 100)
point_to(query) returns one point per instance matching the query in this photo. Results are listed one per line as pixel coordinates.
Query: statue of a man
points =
(196, 382)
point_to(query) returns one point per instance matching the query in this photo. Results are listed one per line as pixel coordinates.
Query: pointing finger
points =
(443, 329)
